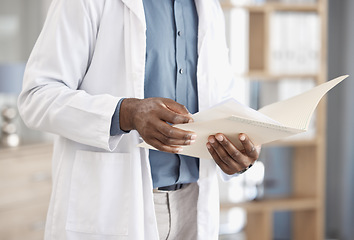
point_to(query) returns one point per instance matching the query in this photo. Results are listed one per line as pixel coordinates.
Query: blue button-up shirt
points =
(170, 72)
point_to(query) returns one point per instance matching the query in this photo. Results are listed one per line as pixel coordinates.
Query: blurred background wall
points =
(340, 128)
(20, 24)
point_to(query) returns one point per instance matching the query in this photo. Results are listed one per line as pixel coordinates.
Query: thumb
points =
(177, 108)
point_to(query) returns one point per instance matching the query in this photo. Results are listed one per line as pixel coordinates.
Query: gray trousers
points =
(176, 213)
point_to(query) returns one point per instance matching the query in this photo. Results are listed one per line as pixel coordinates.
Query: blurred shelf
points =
(265, 7)
(265, 76)
(23, 151)
(274, 204)
(294, 143)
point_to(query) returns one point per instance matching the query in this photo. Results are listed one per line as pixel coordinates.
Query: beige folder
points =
(273, 122)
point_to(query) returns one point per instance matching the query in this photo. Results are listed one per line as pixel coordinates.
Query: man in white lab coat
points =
(89, 57)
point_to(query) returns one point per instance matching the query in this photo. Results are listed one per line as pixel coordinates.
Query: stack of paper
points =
(273, 122)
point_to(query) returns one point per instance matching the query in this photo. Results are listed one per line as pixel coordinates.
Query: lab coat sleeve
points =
(226, 177)
(51, 99)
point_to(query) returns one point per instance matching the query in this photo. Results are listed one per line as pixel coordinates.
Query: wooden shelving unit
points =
(266, 76)
(274, 6)
(307, 200)
(274, 204)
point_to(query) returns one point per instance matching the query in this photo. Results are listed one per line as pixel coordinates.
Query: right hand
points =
(150, 117)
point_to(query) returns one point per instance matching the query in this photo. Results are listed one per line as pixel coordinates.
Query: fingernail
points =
(219, 138)
(193, 137)
(190, 120)
(208, 146)
(242, 138)
(211, 140)
(192, 141)
(179, 150)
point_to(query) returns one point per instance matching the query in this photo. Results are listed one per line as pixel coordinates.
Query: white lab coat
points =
(90, 54)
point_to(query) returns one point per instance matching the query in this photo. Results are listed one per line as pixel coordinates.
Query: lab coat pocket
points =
(99, 194)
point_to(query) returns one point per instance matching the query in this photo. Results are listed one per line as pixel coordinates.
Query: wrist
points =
(126, 115)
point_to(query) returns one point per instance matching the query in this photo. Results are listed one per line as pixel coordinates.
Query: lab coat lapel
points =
(135, 44)
(137, 7)
(204, 16)
(203, 9)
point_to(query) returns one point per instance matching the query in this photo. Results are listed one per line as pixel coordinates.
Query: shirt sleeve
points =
(115, 124)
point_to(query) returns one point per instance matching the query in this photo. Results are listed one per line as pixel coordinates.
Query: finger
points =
(165, 148)
(233, 166)
(249, 147)
(171, 132)
(190, 139)
(233, 152)
(218, 161)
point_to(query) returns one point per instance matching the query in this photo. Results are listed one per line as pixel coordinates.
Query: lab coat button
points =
(179, 33)
(181, 71)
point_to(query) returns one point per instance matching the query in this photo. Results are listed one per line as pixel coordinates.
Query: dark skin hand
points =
(230, 159)
(150, 117)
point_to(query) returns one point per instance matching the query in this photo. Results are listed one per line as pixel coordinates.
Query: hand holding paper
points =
(229, 158)
(273, 122)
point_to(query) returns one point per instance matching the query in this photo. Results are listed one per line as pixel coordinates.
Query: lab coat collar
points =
(137, 7)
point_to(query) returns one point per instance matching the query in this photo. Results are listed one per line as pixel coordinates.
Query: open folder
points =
(272, 122)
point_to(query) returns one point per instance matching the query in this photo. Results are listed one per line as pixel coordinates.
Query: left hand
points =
(230, 159)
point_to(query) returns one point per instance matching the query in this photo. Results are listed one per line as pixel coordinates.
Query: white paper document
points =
(273, 122)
